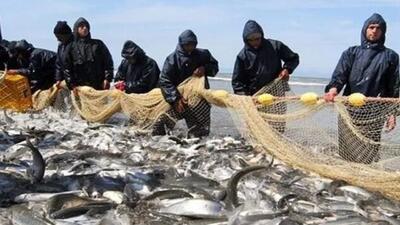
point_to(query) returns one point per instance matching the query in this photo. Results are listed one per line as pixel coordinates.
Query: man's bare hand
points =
(106, 85)
(390, 123)
(284, 75)
(199, 72)
(58, 84)
(330, 96)
(181, 105)
(75, 92)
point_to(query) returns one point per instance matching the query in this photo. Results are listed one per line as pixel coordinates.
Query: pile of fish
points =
(56, 168)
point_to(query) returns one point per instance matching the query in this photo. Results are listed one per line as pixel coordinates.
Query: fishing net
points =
(344, 140)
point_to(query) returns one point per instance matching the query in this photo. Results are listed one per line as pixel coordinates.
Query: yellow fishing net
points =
(345, 140)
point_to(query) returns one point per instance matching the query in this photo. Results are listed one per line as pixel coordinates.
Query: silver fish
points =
(70, 205)
(196, 208)
(233, 183)
(36, 171)
(39, 197)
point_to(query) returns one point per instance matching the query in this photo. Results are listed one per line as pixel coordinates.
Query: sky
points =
(318, 30)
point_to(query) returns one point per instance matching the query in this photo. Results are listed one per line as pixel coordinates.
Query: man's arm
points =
(149, 76)
(238, 79)
(392, 85)
(393, 81)
(108, 63)
(168, 88)
(121, 73)
(291, 59)
(67, 60)
(341, 73)
(59, 70)
(211, 67)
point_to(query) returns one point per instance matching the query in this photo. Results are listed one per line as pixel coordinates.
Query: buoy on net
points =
(265, 99)
(220, 93)
(357, 99)
(309, 98)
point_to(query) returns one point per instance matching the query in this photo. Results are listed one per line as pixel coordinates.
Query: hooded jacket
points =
(255, 68)
(38, 65)
(180, 65)
(140, 76)
(62, 28)
(4, 57)
(87, 61)
(370, 69)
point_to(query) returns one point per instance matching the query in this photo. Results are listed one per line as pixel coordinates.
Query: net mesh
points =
(336, 140)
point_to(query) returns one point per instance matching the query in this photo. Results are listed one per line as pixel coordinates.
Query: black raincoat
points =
(370, 69)
(139, 72)
(62, 28)
(87, 61)
(4, 57)
(38, 65)
(59, 60)
(12, 62)
(180, 65)
(255, 68)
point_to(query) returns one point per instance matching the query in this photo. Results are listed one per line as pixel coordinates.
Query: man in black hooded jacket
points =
(64, 35)
(373, 70)
(185, 61)
(38, 65)
(4, 57)
(137, 73)
(12, 62)
(87, 61)
(8, 57)
(260, 61)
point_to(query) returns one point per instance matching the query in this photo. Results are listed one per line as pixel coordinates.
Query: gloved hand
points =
(120, 85)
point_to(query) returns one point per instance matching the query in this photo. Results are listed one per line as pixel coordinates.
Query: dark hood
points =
(374, 19)
(186, 37)
(132, 50)
(62, 28)
(251, 27)
(78, 22)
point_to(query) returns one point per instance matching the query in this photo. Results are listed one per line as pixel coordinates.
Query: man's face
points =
(62, 37)
(189, 48)
(83, 31)
(254, 40)
(373, 33)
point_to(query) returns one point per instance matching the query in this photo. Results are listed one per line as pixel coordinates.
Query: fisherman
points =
(8, 58)
(259, 63)
(185, 61)
(63, 33)
(38, 65)
(87, 61)
(137, 73)
(12, 62)
(372, 70)
(4, 57)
